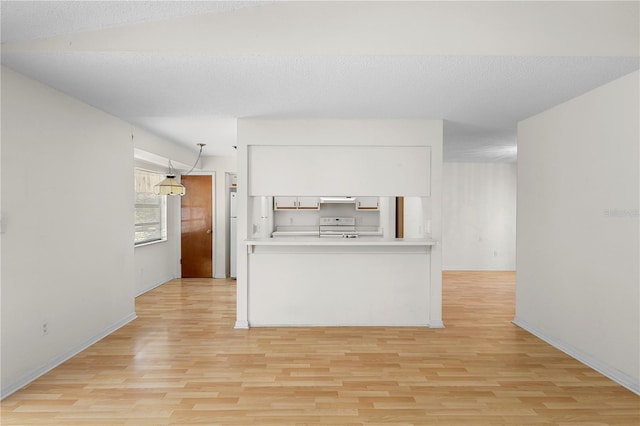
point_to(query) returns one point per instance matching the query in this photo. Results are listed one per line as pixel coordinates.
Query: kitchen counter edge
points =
(317, 241)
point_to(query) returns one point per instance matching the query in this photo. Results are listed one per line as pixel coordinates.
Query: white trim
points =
(53, 363)
(152, 286)
(312, 325)
(612, 373)
(436, 324)
(148, 243)
(220, 276)
(242, 325)
(478, 268)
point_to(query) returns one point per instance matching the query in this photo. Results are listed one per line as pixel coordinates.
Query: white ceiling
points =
(132, 60)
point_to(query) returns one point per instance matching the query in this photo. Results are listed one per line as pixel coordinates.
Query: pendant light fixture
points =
(170, 186)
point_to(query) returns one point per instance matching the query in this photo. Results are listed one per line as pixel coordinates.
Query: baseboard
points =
(242, 324)
(614, 374)
(53, 363)
(328, 325)
(436, 324)
(156, 285)
(475, 269)
(220, 276)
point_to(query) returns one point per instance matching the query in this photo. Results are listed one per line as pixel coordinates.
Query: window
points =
(150, 209)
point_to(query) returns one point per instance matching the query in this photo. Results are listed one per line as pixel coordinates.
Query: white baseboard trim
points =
(436, 324)
(53, 363)
(614, 374)
(151, 287)
(242, 324)
(329, 325)
(220, 276)
(477, 268)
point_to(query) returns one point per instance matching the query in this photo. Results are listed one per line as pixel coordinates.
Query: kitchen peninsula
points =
(313, 254)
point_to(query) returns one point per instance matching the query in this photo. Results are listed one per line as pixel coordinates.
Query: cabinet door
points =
(309, 203)
(285, 203)
(367, 203)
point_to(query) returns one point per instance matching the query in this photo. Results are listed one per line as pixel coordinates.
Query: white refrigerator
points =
(233, 237)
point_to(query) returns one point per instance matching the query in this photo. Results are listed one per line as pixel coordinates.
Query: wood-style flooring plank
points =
(182, 363)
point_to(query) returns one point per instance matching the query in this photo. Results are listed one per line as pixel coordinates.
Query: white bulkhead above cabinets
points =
(339, 171)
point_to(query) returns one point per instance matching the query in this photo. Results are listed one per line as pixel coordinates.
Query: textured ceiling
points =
(26, 20)
(192, 97)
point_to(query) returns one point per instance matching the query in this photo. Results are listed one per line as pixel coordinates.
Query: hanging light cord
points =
(201, 145)
(172, 171)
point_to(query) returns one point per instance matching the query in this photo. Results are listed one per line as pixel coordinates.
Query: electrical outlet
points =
(45, 328)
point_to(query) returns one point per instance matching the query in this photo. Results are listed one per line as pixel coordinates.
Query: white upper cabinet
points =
(285, 203)
(296, 203)
(309, 203)
(367, 203)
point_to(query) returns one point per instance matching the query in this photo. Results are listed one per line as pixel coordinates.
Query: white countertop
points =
(361, 241)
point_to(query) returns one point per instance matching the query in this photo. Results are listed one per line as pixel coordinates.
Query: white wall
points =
(67, 215)
(578, 279)
(479, 216)
(416, 223)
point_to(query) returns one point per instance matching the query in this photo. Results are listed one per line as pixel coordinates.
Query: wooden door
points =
(196, 227)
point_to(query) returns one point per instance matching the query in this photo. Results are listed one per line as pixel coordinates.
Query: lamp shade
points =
(169, 186)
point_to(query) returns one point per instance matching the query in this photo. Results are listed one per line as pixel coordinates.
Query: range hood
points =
(337, 200)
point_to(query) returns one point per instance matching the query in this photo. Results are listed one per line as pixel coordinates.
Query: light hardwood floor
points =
(181, 362)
